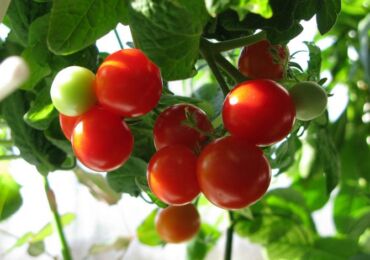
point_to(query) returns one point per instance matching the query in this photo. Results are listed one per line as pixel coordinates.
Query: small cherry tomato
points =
(169, 128)
(310, 100)
(67, 124)
(176, 224)
(232, 173)
(259, 111)
(172, 175)
(101, 140)
(72, 91)
(128, 83)
(263, 60)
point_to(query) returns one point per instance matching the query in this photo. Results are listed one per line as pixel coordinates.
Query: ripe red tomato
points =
(172, 175)
(263, 60)
(101, 140)
(259, 111)
(233, 174)
(128, 83)
(67, 124)
(170, 130)
(176, 224)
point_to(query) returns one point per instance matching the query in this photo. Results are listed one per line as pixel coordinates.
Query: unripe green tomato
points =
(72, 91)
(310, 100)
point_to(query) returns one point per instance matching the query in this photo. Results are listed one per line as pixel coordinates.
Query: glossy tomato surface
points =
(101, 140)
(176, 224)
(128, 83)
(67, 124)
(233, 174)
(169, 128)
(259, 111)
(172, 175)
(263, 60)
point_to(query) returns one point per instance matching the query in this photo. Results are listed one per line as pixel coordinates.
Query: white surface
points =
(14, 71)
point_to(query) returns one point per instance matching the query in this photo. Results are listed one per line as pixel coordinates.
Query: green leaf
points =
(306, 9)
(215, 7)
(75, 25)
(55, 135)
(364, 28)
(35, 249)
(169, 33)
(42, 111)
(314, 63)
(281, 223)
(243, 7)
(98, 186)
(121, 243)
(147, 233)
(47, 230)
(205, 240)
(352, 210)
(329, 157)
(313, 189)
(32, 144)
(332, 248)
(327, 12)
(284, 153)
(36, 54)
(123, 180)
(21, 13)
(10, 197)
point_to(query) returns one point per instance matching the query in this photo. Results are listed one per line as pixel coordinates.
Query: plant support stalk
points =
(229, 237)
(229, 69)
(118, 38)
(57, 220)
(208, 56)
(238, 43)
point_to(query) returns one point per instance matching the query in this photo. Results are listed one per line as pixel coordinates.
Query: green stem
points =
(229, 237)
(238, 43)
(208, 56)
(9, 157)
(118, 38)
(7, 143)
(57, 220)
(229, 69)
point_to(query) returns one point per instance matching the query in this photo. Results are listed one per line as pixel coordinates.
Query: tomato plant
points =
(172, 127)
(233, 174)
(263, 60)
(72, 90)
(67, 124)
(128, 83)
(176, 224)
(260, 111)
(310, 100)
(172, 175)
(224, 57)
(101, 140)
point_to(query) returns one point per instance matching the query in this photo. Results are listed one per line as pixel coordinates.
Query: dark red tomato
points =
(263, 60)
(169, 128)
(67, 124)
(176, 224)
(259, 111)
(101, 140)
(172, 175)
(128, 83)
(233, 174)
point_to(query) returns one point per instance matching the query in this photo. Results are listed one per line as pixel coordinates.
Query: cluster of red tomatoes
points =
(231, 171)
(127, 84)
